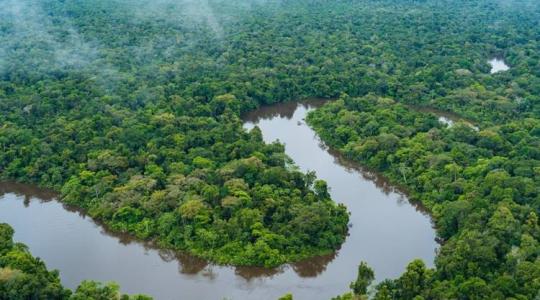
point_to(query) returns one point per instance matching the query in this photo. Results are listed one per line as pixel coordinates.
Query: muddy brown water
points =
(386, 231)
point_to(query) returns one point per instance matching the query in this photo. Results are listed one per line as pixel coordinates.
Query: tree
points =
(363, 280)
(6, 237)
(414, 280)
(286, 297)
(91, 290)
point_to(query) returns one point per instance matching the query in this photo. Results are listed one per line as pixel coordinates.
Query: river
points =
(386, 231)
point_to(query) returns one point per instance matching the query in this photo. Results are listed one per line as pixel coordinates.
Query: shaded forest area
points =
(132, 111)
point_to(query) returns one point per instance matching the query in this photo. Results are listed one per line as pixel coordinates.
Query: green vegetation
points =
(364, 279)
(153, 144)
(482, 188)
(132, 111)
(24, 277)
(359, 287)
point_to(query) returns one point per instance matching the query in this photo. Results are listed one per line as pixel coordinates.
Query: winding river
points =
(386, 231)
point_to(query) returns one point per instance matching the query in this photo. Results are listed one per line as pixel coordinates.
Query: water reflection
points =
(387, 232)
(187, 263)
(283, 110)
(287, 110)
(446, 117)
(369, 196)
(314, 266)
(26, 191)
(251, 273)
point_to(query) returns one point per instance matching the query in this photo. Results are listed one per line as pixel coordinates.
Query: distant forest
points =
(131, 110)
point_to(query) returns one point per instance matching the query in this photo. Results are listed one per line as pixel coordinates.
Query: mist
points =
(39, 34)
(30, 39)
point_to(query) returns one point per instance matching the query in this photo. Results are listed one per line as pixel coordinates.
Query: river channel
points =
(387, 232)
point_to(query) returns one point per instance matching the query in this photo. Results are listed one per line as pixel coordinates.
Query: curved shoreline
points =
(382, 216)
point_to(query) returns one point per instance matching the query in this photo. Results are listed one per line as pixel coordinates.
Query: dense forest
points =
(131, 109)
(481, 187)
(144, 143)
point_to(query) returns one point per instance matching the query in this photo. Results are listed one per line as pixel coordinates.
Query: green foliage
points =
(363, 280)
(132, 110)
(153, 145)
(90, 290)
(286, 297)
(483, 209)
(6, 237)
(24, 277)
